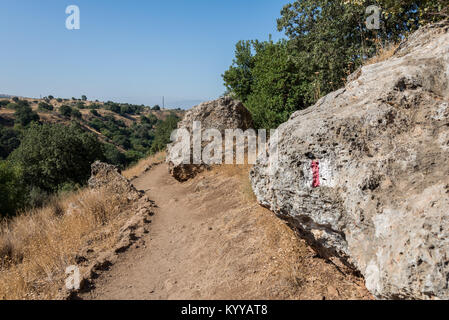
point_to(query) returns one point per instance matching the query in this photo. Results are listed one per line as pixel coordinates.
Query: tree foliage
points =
(12, 189)
(163, 132)
(327, 40)
(52, 155)
(24, 115)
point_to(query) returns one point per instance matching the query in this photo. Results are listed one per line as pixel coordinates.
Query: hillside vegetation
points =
(47, 145)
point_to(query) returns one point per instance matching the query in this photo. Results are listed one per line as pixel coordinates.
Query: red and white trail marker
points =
(315, 165)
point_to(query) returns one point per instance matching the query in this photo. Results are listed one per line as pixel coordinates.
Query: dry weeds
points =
(384, 52)
(143, 165)
(37, 246)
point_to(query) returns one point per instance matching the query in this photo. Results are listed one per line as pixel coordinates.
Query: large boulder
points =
(364, 173)
(221, 114)
(104, 175)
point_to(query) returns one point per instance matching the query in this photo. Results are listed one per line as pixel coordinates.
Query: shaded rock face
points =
(109, 176)
(379, 150)
(221, 114)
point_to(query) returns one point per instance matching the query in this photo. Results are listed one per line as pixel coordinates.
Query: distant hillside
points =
(130, 128)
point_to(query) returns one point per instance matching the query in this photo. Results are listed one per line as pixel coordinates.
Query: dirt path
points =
(209, 240)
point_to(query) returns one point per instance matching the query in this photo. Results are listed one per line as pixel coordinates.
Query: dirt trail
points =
(209, 240)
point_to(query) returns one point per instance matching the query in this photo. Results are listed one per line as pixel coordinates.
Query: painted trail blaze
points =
(316, 173)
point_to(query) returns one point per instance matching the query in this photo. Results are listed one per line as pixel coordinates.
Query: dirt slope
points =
(210, 240)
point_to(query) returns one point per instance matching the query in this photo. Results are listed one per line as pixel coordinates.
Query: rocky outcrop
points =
(221, 114)
(109, 176)
(364, 173)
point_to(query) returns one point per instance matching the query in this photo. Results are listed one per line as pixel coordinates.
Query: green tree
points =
(94, 112)
(24, 115)
(43, 106)
(113, 155)
(9, 140)
(163, 132)
(238, 78)
(84, 98)
(75, 113)
(65, 110)
(52, 155)
(12, 189)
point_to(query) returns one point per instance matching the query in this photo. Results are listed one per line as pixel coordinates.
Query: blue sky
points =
(132, 51)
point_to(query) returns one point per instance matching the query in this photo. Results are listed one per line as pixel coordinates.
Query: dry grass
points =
(287, 268)
(143, 165)
(384, 52)
(241, 172)
(37, 246)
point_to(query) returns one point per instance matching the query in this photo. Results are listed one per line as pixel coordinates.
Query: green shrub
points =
(113, 155)
(52, 155)
(65, 110)
(163, 132)
(12, 189)
(24, 115)
(9, 141)
(76, 114)
(11, 106)
(94, 112)
(43, 106)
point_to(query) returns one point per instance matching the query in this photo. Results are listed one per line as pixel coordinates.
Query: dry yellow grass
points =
(36, 247)
(384, 52)
(143, 165)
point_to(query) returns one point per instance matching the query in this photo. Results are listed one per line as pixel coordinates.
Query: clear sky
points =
(132, 51)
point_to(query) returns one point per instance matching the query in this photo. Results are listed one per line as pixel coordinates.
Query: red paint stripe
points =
(316, 173)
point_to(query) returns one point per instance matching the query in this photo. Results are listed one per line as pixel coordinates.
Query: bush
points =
(163, 132)
(76, 114)
(114, 156)
(65, 110)
(11, 106)
(24, 115)
(94, 112)
(9, 141)
(12, 190)
(43, 106)
(52, 155)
